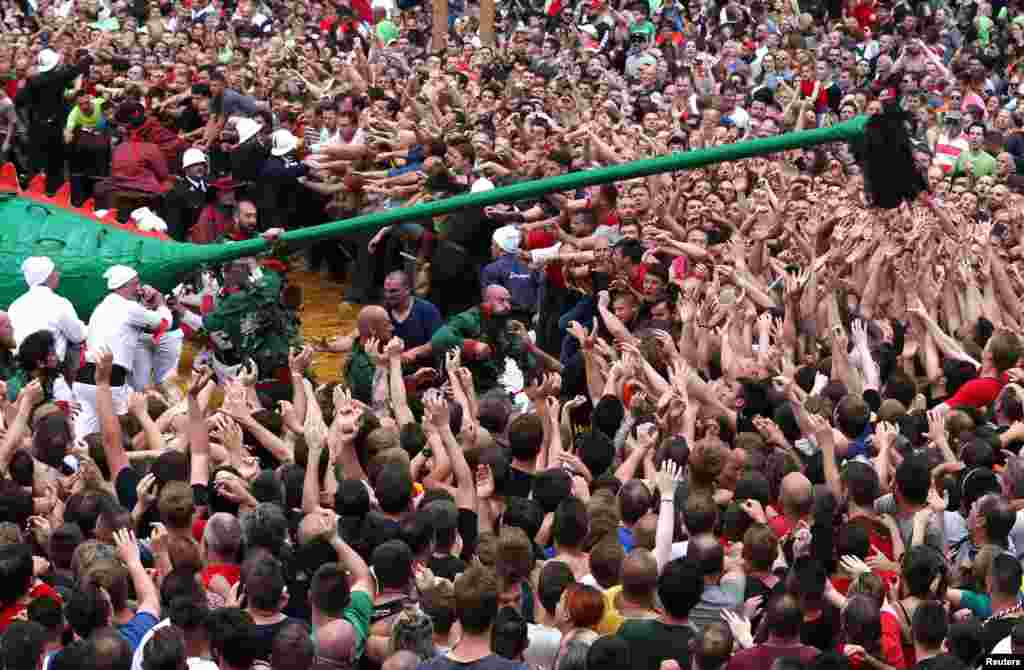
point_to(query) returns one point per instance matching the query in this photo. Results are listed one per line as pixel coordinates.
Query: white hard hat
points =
(246, 128)
(283, 142)
(47, 60)
(192, 157)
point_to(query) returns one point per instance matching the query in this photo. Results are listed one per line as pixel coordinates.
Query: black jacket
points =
(42, 97)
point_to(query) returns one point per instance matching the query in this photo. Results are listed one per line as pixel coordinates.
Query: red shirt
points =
(761, 656)
(12, 612)
(541, 239)
(139, 166)
(780, 526)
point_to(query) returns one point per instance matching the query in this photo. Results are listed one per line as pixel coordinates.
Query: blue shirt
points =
(423, 321)
(626, 538)
(136, 629)
(515, 275)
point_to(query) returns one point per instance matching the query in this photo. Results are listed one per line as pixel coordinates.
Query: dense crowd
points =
(734, 417)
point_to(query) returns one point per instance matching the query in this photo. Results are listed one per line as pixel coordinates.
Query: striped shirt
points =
(948, 150)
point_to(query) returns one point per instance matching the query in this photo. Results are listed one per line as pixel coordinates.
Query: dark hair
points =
(165, 650)
(16, 505)
(555, 576)
(680, 586)
(921, 565)
(610, 652)
(700, 515)
(550, 487)
(87, 610)
(913, 479)
(392, 564)
(264, 581)
(1005, 575)
(232, 637)
(393, 488)
(34, 350)
(443, 518)
(51, 439)
(929, 624)
(22, 645)
(571, 523)
(292, 647)
(509, 636)
(15, 573)
(329, 590)
(861, 481)
(418, 531)
(525, 437)
(607, 416)
(784, 616)
(476, 599)
(596, 450)
(635, 501)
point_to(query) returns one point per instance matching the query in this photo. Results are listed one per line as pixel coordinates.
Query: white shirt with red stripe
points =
(117, 323)
(948, 150)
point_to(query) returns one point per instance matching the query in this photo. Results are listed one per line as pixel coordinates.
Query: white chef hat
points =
(36, 269)
(118, 276)
(507, 239)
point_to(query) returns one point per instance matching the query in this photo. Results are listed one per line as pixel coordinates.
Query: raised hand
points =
(668, 477)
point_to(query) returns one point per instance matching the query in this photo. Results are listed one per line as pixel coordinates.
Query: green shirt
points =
(76, 119)
(980, 163)
(359, 373)
(470, 325)
(358, 613)
(253, 323)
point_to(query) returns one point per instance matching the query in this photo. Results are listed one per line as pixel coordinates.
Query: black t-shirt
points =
(518, 483)
(264, 634)
(996, 629)
(821, 633)
(940, 662)
(492, 662)
(446, 566)
(651, 642)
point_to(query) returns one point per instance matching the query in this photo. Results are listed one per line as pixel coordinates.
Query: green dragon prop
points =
(84, 245)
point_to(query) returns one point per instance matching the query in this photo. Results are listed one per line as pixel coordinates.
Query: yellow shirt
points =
(612, 619)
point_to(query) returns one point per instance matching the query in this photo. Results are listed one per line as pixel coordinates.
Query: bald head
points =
(401, 660)
(336, 640)
(797, 495)
(498, 299)
(640, 576)
(373, 321)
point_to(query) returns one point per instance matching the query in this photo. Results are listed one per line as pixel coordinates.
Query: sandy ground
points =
(323, 315)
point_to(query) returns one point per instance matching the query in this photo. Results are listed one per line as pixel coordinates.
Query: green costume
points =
(492, 330)
(359, 371)
(253, 323)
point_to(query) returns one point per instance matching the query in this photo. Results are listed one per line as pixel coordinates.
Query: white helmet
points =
(192, 157)
(283, 142)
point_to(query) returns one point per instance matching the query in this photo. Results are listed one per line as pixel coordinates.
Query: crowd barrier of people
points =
(735, 417)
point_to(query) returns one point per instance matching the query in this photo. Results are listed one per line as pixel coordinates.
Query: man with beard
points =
(484, 335)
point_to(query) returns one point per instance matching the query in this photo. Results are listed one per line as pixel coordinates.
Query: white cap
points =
(36, 269)
(192, 157)
(118, 276)
(507, 239)
(47, 60)
(283, 142)
(481, 184)
(246, 128)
